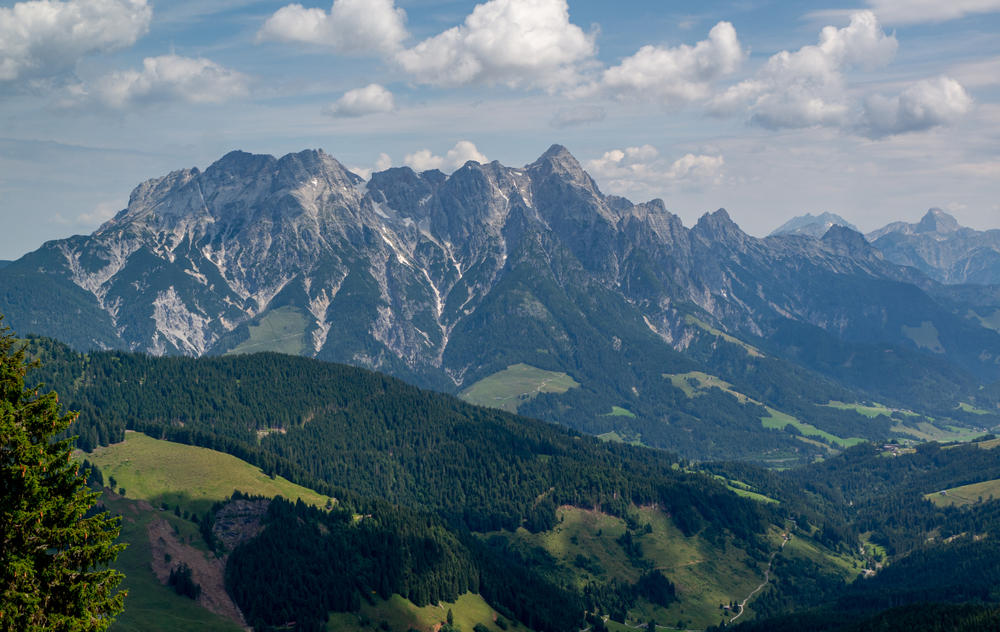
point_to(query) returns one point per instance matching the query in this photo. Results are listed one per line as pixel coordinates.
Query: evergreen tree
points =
(54, 550)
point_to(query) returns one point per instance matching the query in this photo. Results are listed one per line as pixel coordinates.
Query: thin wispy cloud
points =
(164, 79)
(918, 11)
(577, 115)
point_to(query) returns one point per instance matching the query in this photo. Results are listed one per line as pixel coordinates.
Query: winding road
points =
(767, 578)
(742, 605)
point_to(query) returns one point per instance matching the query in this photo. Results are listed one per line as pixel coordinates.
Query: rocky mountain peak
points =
(941, 248)
(846, 242)
(718, 226)
(937, 221)
(812, 225)
(404, 190)
(558, 153)
(240, 164)
(558, 161)
(148, 199)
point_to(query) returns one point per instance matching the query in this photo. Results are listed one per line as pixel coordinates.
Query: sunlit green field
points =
(192, 477)
(515, 385)
(397, 613)
(966, 494)
(282, 330)
(705, 574)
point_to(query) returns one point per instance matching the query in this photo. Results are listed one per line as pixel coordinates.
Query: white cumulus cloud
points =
(696, 167)
(807, 87)
(42, 38)
(642, 171)
(383, 162)
(163, 79)
(357, 27)
(923, 105)
(371, 99)
(462, 152)
(915, 11)
(423, 160)
(519, 43)
(680, 74)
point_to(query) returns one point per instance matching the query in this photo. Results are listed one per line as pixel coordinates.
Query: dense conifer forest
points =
(418, 474)
(338, 428)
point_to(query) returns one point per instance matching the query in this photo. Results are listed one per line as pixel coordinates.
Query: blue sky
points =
(874, 109)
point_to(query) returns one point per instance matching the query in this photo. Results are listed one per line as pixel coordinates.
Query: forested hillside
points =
(423, 470)
(930, 557)
(427, 472)
(339, 429)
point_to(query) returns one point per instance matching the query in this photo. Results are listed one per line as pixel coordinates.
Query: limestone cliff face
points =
(439, 278)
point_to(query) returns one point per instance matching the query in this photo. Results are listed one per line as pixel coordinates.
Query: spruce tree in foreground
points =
(53, 555)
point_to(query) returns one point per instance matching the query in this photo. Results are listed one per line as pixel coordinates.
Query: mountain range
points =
(469, 282)
(937, 245)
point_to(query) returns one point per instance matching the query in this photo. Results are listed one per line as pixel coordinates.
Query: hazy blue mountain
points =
(942, 249)
(812, 225)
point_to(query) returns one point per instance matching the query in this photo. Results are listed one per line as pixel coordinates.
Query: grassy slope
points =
(742, 489)
(192, 477)
(618, 411)
(151, 606)
(922, 431)
(616, 437)
(153, 470)
(694, 382)
(515, 385)
(966, 494)
(969, 408)
(401, 614)
(282, 330)
(705, 575)
(868, 410)
(751, 350)
(929, 432)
